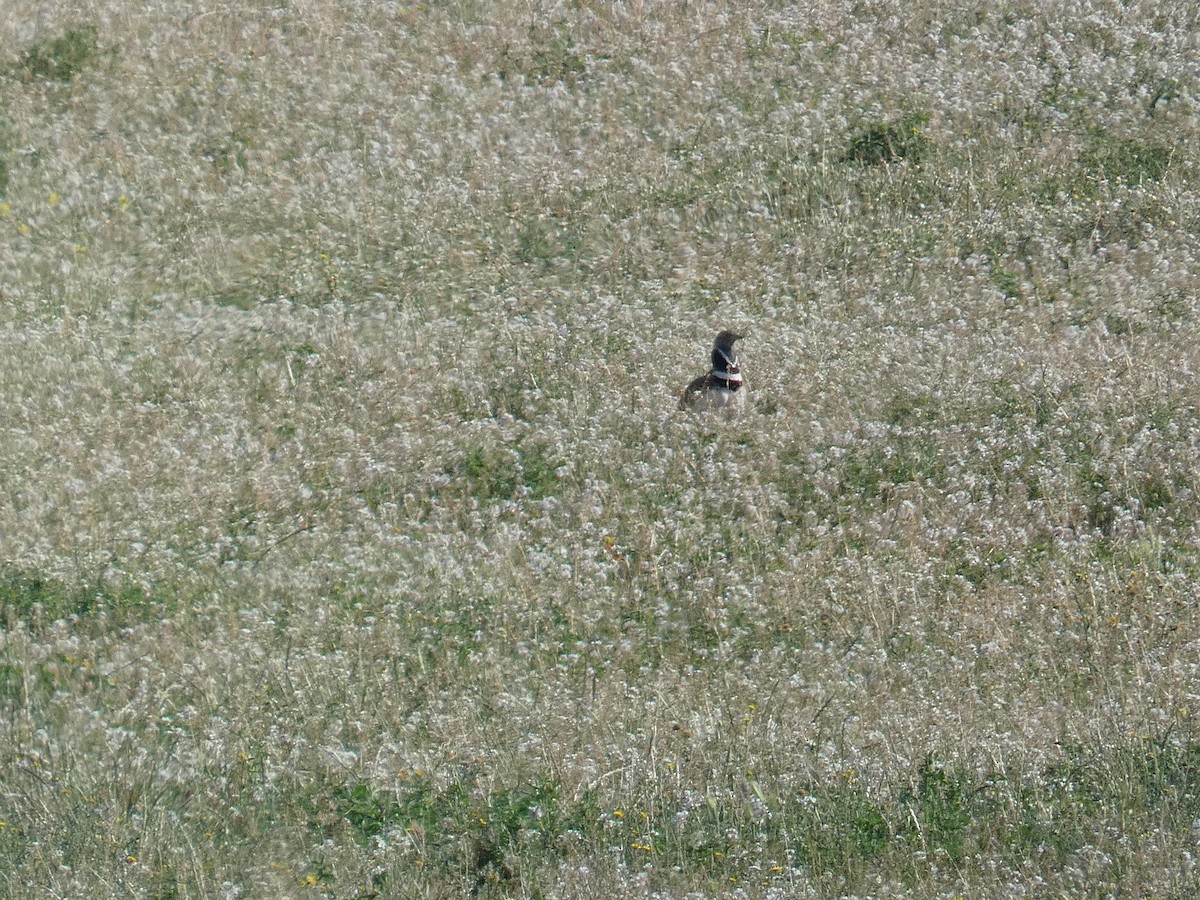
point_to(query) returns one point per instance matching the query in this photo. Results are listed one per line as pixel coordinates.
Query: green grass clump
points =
(32, 598)
(888, 142)
(63, 57)
(1124, 161)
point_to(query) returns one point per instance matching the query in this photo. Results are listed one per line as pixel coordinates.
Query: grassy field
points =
(351, 542)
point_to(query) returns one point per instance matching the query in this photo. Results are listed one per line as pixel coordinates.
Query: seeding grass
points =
(352, 544)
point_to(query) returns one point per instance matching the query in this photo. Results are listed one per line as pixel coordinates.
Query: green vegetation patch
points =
(35, 598)
(454, 829)
(874, 470)
(507, 473)
(877, 143)
(5, 150)
(1124, 161)
(495, 840)
(61, 58)
(551, 56)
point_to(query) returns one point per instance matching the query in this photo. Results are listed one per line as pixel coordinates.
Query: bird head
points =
(723, 349)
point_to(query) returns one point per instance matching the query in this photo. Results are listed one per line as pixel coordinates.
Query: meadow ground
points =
(351, 544)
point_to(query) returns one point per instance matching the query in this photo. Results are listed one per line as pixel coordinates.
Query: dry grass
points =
(352, 544)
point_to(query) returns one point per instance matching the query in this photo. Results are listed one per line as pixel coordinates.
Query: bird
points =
(723, 386)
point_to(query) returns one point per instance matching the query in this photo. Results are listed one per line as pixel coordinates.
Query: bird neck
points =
(724, 360)
(727, 376)
(725, 369)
